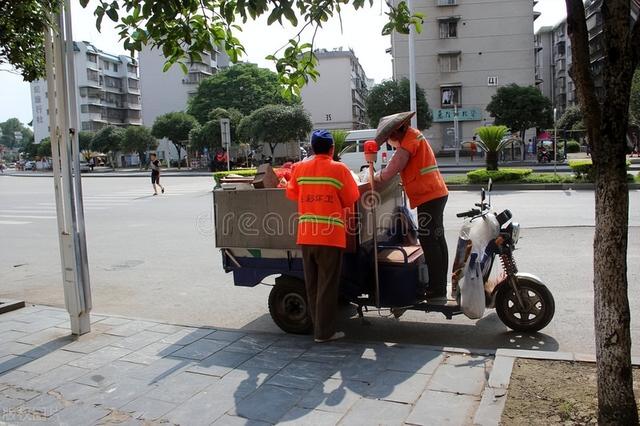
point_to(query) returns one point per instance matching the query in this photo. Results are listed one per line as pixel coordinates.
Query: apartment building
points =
(336, 100)
(554, 56)
(108, 92)
(169, 91)
(466, 51)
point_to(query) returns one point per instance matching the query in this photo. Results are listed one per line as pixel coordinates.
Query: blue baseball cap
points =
(321, 141)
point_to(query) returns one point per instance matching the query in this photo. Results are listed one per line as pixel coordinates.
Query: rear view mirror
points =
(483, 195)
(490, 185)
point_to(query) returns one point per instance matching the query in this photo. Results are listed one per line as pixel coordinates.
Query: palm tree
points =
(339, 137)
(492, 141)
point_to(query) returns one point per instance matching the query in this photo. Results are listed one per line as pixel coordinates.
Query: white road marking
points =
(26, 217)
(12, 222)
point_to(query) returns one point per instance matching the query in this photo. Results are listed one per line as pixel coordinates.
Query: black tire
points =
(539, 310)
(288, 306)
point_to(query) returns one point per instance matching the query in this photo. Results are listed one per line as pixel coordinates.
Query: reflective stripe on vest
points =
(429, 169)
(319, 180)
(314, 218)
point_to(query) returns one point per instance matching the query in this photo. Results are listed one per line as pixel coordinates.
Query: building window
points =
(37, 99)
(449, 29)
(131, 68)
(450, 96)
(36, 89)
(92, 58)
(92, 75)
(115, 67)
(449, 62)
(447, 2)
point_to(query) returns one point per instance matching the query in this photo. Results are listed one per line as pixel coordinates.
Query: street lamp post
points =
(63, 120)
(412, 72)
(455, 134)
(555, 141)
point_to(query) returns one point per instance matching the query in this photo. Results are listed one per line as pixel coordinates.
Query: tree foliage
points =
(44, 148)
(492, 140)
(209, 135)
(22, 27)
(84, 140)
(391, 97)
(8, 137)
(174, 126)
(521, 108)
(138, 139)
(108, 140)
(243, 87)
(273, 124)
(184, 30)
(571, 119)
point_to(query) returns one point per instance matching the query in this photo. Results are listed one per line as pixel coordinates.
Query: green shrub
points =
(456, 180)
(241, 172)
(583, 169)
(573, 146)
(547, 178)
(502, 175)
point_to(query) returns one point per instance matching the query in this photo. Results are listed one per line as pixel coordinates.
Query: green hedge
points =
(583, 169)
(241, 172)
(501, 175)
(573, 146)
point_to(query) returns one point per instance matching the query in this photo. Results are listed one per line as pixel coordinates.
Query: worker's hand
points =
(377, 178)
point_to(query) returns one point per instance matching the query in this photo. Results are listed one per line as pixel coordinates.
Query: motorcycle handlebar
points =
(470, 213)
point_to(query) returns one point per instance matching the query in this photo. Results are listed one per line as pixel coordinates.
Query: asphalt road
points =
(154, 257)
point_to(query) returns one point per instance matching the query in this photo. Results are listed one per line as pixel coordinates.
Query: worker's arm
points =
(292, 190)
(349, 193)
(396, 165)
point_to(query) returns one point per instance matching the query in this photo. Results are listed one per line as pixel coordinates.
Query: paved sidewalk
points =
(131, 371)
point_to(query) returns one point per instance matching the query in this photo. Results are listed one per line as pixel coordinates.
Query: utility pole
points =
(63, 122)
(412, 72)
(555, 141)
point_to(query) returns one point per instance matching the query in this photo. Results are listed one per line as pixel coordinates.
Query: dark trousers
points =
(322, 267)
(433, 242)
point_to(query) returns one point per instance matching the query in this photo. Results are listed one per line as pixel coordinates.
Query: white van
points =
(352, 153)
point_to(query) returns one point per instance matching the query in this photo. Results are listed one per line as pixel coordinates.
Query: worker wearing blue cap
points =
(323, 189)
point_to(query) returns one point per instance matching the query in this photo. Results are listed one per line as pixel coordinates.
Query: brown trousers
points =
(322, 266)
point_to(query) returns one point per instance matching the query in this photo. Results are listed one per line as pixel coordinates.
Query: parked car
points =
(84, 167)
(30, 165)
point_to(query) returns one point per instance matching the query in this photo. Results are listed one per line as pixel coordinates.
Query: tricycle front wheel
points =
(537, 312)
(288, 306)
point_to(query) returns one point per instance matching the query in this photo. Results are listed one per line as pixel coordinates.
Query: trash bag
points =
(472, 300)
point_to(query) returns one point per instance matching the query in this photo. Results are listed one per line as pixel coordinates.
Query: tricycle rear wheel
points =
(538, 310)
(288, 306)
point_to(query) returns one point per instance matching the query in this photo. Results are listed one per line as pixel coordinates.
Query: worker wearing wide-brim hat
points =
(416, 163)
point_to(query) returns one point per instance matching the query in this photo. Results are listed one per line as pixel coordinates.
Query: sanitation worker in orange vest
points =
(323, 189)
(427, 192)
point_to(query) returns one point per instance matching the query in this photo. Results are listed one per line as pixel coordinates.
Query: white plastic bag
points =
(472, 300)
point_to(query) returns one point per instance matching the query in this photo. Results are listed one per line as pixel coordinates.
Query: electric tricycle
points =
(383, 265)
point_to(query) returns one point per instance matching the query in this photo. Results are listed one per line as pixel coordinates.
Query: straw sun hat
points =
(388, 124)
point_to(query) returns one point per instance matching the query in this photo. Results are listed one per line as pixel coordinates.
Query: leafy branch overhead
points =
(184, 30)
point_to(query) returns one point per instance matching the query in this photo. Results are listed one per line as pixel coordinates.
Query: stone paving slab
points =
(139, 372)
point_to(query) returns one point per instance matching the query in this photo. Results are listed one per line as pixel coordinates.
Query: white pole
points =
(412, 72)
(63, 121)
(555, 141)
(455, 133)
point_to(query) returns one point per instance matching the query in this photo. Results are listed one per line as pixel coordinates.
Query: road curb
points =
(533, 187)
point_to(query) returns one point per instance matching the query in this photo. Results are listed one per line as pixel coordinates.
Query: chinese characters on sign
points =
(464, 114)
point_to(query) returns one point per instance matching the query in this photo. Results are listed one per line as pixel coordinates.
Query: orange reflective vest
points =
(421, 178)
(323, 189)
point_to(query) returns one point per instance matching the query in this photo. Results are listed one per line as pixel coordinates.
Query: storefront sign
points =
(464, 114)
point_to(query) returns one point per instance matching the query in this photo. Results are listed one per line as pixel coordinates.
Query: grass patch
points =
(456, 180)
(501, 175)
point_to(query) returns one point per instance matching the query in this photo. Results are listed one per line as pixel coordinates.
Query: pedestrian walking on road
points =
(155, 174)
(323, 189)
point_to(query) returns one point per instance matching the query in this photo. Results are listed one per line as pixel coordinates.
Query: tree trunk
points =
(492, 160)
(616, 403)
